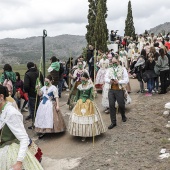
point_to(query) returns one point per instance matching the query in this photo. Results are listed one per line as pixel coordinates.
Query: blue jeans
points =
(18, 101)
(150, 85)
(60, 87)
(31, 106)
(156, 83)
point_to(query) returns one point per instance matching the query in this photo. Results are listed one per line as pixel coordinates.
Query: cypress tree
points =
(97, 11)
(100, 29)
(91, 21)
(129, 25)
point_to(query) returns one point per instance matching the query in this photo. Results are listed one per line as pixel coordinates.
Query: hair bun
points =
(6, 94)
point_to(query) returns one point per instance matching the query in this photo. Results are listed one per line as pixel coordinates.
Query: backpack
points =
(8, 83)
(61, 70)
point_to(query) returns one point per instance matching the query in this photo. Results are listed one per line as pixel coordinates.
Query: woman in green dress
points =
(85, 119)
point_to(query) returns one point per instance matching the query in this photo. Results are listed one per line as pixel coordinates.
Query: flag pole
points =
(37, 92)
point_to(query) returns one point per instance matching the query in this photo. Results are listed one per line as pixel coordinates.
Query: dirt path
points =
(134, 145)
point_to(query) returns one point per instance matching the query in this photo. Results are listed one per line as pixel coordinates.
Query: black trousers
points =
(116, 95)
(164, 76)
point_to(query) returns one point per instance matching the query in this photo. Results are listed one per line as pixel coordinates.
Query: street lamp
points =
(44, 35)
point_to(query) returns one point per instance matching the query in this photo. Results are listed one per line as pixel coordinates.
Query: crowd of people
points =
(146, 58)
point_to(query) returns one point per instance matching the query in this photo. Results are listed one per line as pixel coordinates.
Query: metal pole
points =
(44, 35)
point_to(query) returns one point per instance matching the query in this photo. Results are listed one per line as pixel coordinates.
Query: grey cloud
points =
(70, 17)
(29, 17)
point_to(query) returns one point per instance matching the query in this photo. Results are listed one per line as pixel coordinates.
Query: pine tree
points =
(129, 25)
(96, 12)
(100, 30)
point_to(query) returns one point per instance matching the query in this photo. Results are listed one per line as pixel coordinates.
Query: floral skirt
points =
(86, 120)
(9, 154)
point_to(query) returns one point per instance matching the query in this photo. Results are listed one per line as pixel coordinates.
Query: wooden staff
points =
(94, 94)
(70, 73)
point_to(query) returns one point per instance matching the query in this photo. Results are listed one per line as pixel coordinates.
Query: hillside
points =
(30, 49)
(160, 28)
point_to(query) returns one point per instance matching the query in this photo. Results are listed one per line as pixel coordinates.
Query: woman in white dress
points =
(48, 117)
(103, 64)
(131, 48)
(123, 57)
(141, 42)
(106, 87)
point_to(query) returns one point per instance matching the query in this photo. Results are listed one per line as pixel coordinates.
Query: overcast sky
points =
(26, 18)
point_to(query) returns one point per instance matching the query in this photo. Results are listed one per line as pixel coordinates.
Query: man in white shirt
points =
(117, 77)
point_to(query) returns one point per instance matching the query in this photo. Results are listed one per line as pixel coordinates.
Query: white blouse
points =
(125, 77)
(14, 120)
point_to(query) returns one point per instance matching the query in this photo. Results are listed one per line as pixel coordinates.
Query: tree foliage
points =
(129, 25)
(97, 27)
(100, 29)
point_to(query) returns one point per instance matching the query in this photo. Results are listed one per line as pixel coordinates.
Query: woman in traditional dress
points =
(76, 77)
(123, 57)
(103, 64)
(106, 87)
(14, 141)
(131, 48)
(160, 40)
(85, 119)
(76, 80)
(141, 42)
(48, 117)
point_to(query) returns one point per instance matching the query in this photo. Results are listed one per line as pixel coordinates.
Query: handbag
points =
(145, 77)
(157, 69)
(127, 97)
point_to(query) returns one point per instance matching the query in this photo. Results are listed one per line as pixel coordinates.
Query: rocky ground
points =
(134, 145)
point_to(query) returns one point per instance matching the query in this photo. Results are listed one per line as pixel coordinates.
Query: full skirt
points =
(9, 154)
(85, 120)
(100, 76)
(48, 119)
(105, 100)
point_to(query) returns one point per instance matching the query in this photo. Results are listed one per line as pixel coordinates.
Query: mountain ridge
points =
(161, 28)
(15, 50)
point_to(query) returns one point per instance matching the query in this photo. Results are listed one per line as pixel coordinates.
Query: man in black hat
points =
(30, 79)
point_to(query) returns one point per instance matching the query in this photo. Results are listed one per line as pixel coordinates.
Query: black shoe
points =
(28, 117)
(112, 126)
(161, 92)
(41, 136)
(124, 119)
(31, 127)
